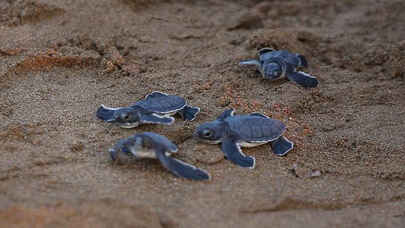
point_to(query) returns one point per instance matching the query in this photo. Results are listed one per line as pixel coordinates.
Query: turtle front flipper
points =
(189, 113)
(265, 50)
(156, 119)
(250, 62)
(282, 146)
(106, 113)
(227, 113)
(182, 169)
(234, 154)
(303, 79)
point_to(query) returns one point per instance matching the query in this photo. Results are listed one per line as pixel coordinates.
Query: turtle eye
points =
(124, 116)
(207, 133)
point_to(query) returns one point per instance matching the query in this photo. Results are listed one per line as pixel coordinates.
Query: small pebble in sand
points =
(315, 173)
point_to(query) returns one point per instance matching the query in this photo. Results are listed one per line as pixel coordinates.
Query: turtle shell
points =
(255, 128)
(162, 103)
(160, 141)
(282, 54)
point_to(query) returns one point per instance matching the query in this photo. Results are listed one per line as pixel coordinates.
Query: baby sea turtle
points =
(274, 64)
(234, 131)
(152, 145)
(155, 108)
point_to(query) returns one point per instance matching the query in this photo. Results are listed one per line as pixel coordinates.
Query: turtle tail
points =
(189, 113)
(282, 146)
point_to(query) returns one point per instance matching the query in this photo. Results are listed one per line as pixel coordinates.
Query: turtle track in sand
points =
(20, 12)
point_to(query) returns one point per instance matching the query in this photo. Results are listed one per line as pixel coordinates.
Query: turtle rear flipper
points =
(156, 119)
(303, 79)
(106, 113)
(189, 113)
(258, 114)
(182, 169)
(303, 61)
(234, 154)
(282, 146)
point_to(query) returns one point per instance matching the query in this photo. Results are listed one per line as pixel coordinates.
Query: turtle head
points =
(126, 117)
(125, 149)
(210, 132)
(121, 152)
(272, 70)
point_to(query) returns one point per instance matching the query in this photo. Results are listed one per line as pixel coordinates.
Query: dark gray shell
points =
(162, 103)
(159, 141)
(282, 54)
(255, 128)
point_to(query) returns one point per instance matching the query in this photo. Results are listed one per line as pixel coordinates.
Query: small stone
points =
(315, 173)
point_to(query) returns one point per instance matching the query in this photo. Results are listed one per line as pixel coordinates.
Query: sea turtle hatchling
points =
(155, 108)
(274, 64)
(234, 131)
(152, 145)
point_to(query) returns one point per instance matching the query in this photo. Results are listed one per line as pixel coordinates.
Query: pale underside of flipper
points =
(250, 62)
